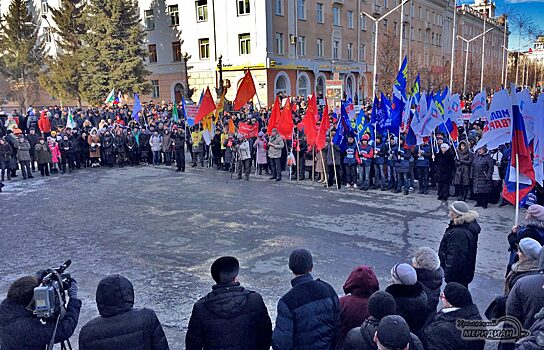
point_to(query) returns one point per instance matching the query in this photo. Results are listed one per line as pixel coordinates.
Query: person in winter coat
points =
(120, 325)
(423, 155)
(83, 155)
(526, 297)
(309, 314)
(378, 164)
(462, 170)
(333, 161)
(67, 159)
(5, 157)
(444, 170)
(442, 332)
(23, 156)
(198, 147)
(535, 341)
(402, 167)
(216, 149)
(350, 163)
(42, 154)
(429, 273)
(155, 141)
(21, 329)
(366, 154)
(167, 147)
(244, 157)
(359, 286)
(32, 138)
(275, 146)
(531, 227)
(55, 155)
(44, 124)
(94, 147)
(119, 142)
(230, 317)
(132, 148)
(107, 148)
(409, 296)
(482, 176)
(459, 244)
(394, 333)
(528, 253)
(178, 142)
(260, 149)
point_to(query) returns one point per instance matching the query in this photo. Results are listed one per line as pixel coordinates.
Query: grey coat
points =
(42, 153)
(462, 167)
(23, 150)
(275, 145)
(482, 173)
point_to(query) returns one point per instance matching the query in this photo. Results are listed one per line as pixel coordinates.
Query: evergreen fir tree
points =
(64, 73)
(113, 50)
(22, 52)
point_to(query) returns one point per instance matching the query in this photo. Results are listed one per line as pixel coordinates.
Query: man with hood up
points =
(119, 325)
(230, 317)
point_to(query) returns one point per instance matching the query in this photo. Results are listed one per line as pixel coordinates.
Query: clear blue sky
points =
(532, 9)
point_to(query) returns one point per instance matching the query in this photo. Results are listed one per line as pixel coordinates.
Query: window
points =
(336, 16)
(335, 48)
(174, 15)
(385, 25)
(152, 53)
(201, 10)
(281, 86)
(363, 22)
(319, 13)
(301, 9)
(176, 51)
(45, 7)
(385, 3)
(243, 7)
(47, 34)
(362, 52)
(155, 92)
(412, 11)
(204, 48)
(432, 38)
(404, 31)
(279, 43)
(395, 28)
(420, 13)
(245, 44)
(419, 37)
(350, 19)
(302, 86)
(149, 19)
(301, 46)
(279, 7)
(350, 51)
(319, 48)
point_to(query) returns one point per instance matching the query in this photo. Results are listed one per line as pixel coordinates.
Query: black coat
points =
(458, 249)
(20, 329)
(431, 282)
(482, 173)
(411, 304)
(536, 340)
(362, 338)
(230, 317)
(445, 167)
(120, 326)
(442, 334)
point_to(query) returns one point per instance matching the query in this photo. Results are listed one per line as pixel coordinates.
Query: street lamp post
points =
(483, 47)
(453, 37)
(186, 58)
(504, 53)
(376, 22)
(468, 41)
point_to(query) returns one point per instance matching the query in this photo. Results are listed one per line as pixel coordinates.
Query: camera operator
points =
(21, 329)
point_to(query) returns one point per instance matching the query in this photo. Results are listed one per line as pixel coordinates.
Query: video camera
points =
(49, 296)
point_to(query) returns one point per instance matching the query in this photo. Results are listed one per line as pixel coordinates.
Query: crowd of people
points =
(58, 140)
(426, 305)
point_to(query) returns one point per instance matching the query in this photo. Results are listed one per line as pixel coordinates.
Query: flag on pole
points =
(498, 126)
(308, 123)
(478, 107)
(111, 97)
(415, 90)
(118, 99)
(190, 121)
(232, 127)
(285, 121)
(175, 114)
(418, 125)
(350, 108)
(343, 130)
(521, 151)
(529, 111)
(274, 116)
(207, 106)
(245, 92)
(70, 120)
(136, 108)
(399, 95)
(375, 108)
(538, 144)
(321, 140)
(385, 119)
(220, 106)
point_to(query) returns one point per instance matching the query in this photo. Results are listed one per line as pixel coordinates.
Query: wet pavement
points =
(163, 229)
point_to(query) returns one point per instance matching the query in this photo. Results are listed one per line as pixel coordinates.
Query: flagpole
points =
(325, 169)
(298, 153)
(313, 163)
(453, 40)
(333, 161)
(517, 191)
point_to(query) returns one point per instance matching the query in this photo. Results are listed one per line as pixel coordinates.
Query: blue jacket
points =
(426, 154)
(402, 163)
(351, 151)
(308, 316)
(379, 151)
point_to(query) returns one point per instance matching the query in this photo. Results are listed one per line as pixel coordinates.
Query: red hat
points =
(366, 137)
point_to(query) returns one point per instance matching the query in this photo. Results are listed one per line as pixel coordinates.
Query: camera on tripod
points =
(49, 297)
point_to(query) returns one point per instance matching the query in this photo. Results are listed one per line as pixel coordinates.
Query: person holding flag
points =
(366, 155)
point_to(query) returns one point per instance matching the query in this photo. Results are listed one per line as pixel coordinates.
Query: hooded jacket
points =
(458, 249)
(359, 286)
(230, 317)
(119, 325)
(20, 329)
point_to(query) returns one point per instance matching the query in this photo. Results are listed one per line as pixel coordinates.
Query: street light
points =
(376, 22)
(518, 50)
(468, 41)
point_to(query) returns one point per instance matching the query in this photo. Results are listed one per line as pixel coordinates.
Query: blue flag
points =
(137, 108)
(399, 94)
(416, 91)
(383, 115)
(343, 130)
(189, 121)
(375, 107)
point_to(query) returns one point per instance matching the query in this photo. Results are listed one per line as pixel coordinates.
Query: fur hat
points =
(225, 269)
(426, 258)
(459, 208)
(445, 146)
(381, 304)
(530, 248)
(404, 274)
(536, 211)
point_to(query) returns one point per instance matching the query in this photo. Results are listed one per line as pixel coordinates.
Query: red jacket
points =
(44, 124)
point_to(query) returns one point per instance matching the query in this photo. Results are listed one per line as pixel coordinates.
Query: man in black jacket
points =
(309, 314)
(230, 317)
(21, 329)
(119, 325)
(459, 245)
(178, 137)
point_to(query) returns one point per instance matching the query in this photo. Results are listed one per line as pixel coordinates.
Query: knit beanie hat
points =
(530, 248)
(459, 208)
(381, 304)
(404, 274)
(536, 211)
(445, 146)
(427, 258)
(457, 295)
(300, 261)
(225, 269)
(393, 332)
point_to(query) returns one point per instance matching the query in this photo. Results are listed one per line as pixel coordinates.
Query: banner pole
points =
(517, 191)
(298, 153)
(333, 161)
(313, 163)
(324, 168)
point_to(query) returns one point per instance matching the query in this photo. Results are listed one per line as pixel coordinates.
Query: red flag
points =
(206, 107)
(232, 128)
(274, 117)
(285, 123)
(308, 123)
(321, 140)
(245, 92)
(454, 132)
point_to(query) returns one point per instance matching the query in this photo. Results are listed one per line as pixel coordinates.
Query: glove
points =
(72, 291)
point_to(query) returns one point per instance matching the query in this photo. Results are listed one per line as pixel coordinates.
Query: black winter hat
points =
(300, 261)
(393, 332)
(225, 269)
(381, 304)
(457, 295)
